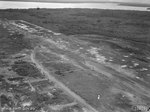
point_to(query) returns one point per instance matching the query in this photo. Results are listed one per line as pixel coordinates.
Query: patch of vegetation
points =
(11, 44)
(43, 84)
(122, 102)
(4, 63)
(23, 68)
(1, 78)
(39, 100)
(16, 79)
(6, 101)
(60, 68)
(60, 98)
(3, 55)
(125, 48)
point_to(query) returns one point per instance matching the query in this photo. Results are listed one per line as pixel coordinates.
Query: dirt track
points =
(61, 85)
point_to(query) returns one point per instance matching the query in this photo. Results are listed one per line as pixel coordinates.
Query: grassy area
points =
(130, 25)
(23, 68)
(11, 44)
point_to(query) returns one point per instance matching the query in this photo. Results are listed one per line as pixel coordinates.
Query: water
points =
(26, 5)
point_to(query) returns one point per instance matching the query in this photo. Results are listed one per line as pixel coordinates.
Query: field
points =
(86, 21)
(76, 60)
(23, 87)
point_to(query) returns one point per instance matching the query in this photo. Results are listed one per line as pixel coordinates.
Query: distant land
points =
(134, 4)
(75, 1)
(121, 3)
(64, 1)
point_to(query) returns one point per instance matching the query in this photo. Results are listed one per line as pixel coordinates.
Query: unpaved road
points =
(60, 84)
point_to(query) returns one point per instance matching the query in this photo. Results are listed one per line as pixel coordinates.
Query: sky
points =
(130, 1)
(133, 1)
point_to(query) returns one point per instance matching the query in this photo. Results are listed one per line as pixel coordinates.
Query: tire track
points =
(61, 85)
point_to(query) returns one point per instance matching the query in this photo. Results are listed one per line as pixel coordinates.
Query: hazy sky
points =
(132, 1)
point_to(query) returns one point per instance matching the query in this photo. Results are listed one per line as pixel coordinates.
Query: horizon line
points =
(74, 1)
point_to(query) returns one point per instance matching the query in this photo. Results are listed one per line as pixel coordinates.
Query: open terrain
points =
(74, 60)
